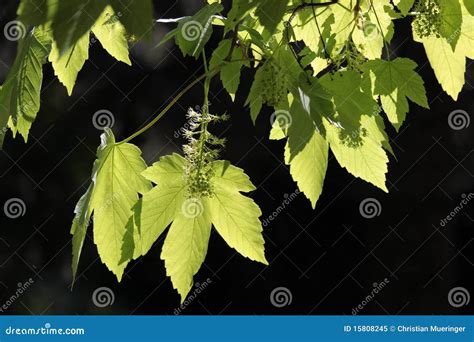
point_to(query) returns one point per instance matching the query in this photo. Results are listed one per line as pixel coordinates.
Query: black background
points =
(328, 258)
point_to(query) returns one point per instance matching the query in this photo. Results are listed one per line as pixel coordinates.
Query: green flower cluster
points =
(201, 151)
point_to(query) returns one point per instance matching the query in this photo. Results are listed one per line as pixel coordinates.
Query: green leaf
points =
(235, 216)
(271, 12)
(254, 98)
(194, 32)
(136, 16)
(451, 21)
(396, 81)
(20, 94)
(360, 151)
(306, 152)
(469, 5)
(376, 29)
(67, 65)
(112, 35)
(449, 66)
(350, 99)
(35, 12)
(72, 20)
(185, 249)
(404, 5)
(80, 223)
(158, 207)
(118, 181)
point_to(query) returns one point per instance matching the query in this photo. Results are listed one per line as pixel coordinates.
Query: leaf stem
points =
(208, 74)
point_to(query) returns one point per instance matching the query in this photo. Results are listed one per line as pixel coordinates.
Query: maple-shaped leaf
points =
(396, 81)
(116, 183)
(235, 217)
(20, 94)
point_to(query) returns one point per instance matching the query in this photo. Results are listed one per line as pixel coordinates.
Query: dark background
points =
(328, 258)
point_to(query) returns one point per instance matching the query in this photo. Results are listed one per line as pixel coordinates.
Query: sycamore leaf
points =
(79, 227)
(72, 20)
(350, 98)
(194, 32)
(449, 66)
(376, 28)
(306, 152)
(117, 183)
(158, 207)
(35, 12)
(67, 65)
(112, 35)
(136, 16)
(469, 5)
(396, 81)
(230, 72)
(404, 5)
(185, 248)
(271, 12)
(451, 21)
(20, 94)
(235, 217)
(360, 151)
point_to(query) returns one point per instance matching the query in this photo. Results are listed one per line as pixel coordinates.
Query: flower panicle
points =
(201, 150)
